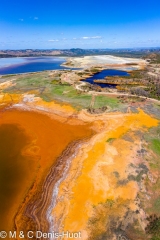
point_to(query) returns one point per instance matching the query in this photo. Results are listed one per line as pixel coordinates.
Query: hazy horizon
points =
(110, 49)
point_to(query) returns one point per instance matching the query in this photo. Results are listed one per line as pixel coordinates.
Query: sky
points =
(88, 24)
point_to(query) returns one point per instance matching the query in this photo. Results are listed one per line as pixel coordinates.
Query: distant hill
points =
(154, 57)
(73, 52)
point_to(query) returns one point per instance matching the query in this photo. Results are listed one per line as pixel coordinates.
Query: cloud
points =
(53, 40)
(86, 37)
(35, 18)
(94, 37)
(98, 37)
(21, 19)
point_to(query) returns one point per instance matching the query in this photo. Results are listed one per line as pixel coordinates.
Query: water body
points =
(31, 64)
(29, 147)
(14, 169)
(103, 74)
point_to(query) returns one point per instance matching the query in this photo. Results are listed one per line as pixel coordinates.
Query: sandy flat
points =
(102, 60)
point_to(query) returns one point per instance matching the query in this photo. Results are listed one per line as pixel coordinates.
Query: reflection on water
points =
(13, 169)
(34, 64)
(30, 64)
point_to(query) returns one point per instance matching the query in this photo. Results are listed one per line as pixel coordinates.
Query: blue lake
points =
(32, 64)
(37, 64)
(103, 74)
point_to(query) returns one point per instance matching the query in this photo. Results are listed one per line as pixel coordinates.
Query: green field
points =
(50, 88)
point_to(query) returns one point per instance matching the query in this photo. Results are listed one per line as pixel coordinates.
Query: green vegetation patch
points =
(135, 74)
(157, 205)
(94, 70)
(50, 88)
(109, 203)
(153, 140)
(55, 81)
(155, 145)
(153, 227)
(8, 75)
(31, 81)
(154, 165)
(110, 140)
(156, 186)
(101, 101)
(66, 93)
(155, 238)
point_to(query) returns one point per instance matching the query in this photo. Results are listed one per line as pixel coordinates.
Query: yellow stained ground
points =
(91, 179)
(65, 108)
(6, 84)
(6, 98)
(35, 102)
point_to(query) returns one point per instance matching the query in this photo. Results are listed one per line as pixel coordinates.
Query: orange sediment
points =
(29, 100)
(46, 139)
(91, 179)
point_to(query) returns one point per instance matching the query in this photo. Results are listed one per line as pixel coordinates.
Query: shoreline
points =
(44, 209)
(34, 205)
(24, 62)
(38, 210)
(97, 150)
(106, 62)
